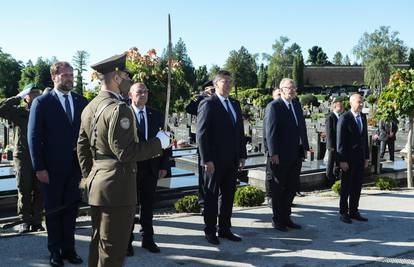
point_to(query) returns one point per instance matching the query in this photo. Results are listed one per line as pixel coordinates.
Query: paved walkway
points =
(386, 240)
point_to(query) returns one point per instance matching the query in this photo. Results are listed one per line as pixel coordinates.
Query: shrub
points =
(336, 187)
(187, 204)
(249, 196)
(385, 183)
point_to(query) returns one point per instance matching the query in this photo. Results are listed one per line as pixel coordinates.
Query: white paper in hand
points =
(164, 138)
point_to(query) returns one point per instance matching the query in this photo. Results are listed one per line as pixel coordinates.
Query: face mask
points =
(124, 86)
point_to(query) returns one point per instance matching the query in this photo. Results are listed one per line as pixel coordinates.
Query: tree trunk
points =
(409, 154)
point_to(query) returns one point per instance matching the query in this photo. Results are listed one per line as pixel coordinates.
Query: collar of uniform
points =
(119, 97)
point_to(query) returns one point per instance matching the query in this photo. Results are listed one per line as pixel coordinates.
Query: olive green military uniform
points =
(108, 154)
(30, 196)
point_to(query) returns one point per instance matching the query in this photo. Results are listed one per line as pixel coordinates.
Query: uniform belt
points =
(100, 156)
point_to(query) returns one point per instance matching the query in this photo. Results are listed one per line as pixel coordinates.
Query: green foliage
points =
(411, 58)
(248, 196)
(80, 60)
(322, 98)
(179, 53)
(346, 61)
(297, 71)
(316, 116)
(385, 183)
(371, 99)
(262, 76)
(336, 187)
(179, 105)
(38, 74)
(254, 96)
(242, 66)
(187, 204)
(201, 76)
(213, 71)
(397, 98)
(378, 51)
(337, 58)
(309, 100)
(91, 93)
(280, 61)
(317, 56)
(10, 70)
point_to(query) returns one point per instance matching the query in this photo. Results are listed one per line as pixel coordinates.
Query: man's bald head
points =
(356, 101)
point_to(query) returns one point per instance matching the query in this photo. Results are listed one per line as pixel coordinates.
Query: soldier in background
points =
(108, 149)
(30, 196)
(191, 109)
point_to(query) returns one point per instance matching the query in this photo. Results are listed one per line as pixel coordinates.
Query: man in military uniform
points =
(30, 196)
(108, 149)
(191, 109)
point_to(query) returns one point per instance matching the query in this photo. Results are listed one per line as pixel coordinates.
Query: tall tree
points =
(292, 52)
(201, 75)
(346, 61)
(213, 71)
(317, 56)
(411, 58)
(262, 76)
(278, 67)
(337, 58)
(80, 60)
(242, 66)
(38, 74)
(180, 54)
(10, 70)
(297, 71)
(378, 51)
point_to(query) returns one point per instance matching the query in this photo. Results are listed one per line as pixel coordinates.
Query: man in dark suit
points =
(269, 173)
(221, 142)
(149, 122)
(330, 124)
(287, 143)
(53, 131)
(353, 156)
(387, 131)
(191, 109)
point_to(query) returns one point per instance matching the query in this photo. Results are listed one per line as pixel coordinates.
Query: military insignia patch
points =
(125, 123)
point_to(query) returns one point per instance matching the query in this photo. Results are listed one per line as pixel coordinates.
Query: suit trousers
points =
(269, 177)
(351, 184)
(62, 197)
(284, 185)
(30, 192)
(200, 182)
(219, 189)
(331, 164)
(111, 229)
(146, 186)
(391, 148)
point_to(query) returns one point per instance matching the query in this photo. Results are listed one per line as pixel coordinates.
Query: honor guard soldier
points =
(108, 149)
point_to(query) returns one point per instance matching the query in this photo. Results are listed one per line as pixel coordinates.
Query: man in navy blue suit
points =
(222, 146)
(53, 131)
(287, 143)
(353, 155)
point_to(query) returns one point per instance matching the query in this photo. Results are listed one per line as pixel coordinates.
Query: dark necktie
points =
(67, 108)
(359, 122)
(141, 124)
(229, 111)
(293, 114)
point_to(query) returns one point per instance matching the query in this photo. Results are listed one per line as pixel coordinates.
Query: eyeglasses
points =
(141, 92)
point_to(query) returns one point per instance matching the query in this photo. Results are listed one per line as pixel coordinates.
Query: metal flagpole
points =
(167, 105)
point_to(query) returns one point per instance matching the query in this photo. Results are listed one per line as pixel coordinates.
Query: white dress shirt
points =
(61, 97)
(222, 98)
(144, 111)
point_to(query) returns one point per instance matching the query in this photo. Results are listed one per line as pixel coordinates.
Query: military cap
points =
(114, 63)
(207, 84)
(337, 99)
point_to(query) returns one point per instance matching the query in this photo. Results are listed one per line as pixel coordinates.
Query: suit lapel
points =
(59, 105)
(223, 109)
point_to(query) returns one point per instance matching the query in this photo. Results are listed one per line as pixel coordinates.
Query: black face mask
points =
(124, 86)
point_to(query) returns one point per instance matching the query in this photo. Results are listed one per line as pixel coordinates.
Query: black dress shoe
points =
(72, 257)
(55, 259)
(230, 236)
(37, 227)
(279, 226)
(150, 246)
(130, 251)
(345, 218)
(358, 217)
(293, 225)
(24, 228)
(212, 239)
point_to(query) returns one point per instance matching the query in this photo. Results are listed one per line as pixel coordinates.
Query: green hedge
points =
(385, 183)
(249, 196)
(187, 204)
(336, 187)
